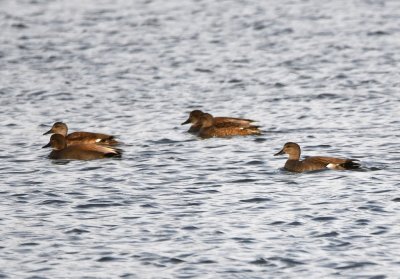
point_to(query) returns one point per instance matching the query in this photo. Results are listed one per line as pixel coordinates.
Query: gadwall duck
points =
(195, 115)
(81, 137)
(78, 151)
(313, 163)
(209, 129)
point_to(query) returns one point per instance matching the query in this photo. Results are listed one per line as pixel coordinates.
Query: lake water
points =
(324, 74)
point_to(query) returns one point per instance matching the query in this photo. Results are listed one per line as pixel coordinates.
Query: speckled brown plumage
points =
(209, 129)
(220, 122)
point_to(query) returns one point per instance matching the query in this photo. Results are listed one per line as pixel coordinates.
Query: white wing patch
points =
(98, 140)
(332, 166)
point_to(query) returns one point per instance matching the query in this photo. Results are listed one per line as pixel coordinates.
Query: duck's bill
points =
(48, 132)
(186, 122)
(279, 153)
(47, 145)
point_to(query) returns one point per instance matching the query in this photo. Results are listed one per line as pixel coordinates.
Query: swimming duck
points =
(195, 115)
(78, 151)
(313, 163)
(81, 137)
(209, 129)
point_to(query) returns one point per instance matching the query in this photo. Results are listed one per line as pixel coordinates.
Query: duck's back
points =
(228, 131)
(233, 121)
(319, 163)
(334, 163)
(90, 138)
(226, 125)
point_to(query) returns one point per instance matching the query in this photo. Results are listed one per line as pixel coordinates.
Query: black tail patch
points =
(351, 164)
(118, 154)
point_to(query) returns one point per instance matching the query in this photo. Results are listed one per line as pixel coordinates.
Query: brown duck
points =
(209, 129)
(81, 137)
(78, 151)
(313, 163)
(195, 115)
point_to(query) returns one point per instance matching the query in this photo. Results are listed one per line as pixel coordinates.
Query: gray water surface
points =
(324, 74)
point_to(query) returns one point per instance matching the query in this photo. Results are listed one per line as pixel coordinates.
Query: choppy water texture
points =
(322, 73)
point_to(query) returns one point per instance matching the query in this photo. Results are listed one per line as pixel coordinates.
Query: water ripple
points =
(320, 73)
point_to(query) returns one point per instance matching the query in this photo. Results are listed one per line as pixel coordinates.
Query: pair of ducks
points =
(88, 146)
(205, 125)
(80, 145)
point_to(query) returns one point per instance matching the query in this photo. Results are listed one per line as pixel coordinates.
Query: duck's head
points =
(58, 128)
(292, 149)
(194, 116)
(57, 142)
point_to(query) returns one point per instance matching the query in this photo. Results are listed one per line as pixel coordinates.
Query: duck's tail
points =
(254, 130)
(116, 152)
(351, 164)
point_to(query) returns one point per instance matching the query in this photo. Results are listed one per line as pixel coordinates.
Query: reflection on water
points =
(324, 75)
